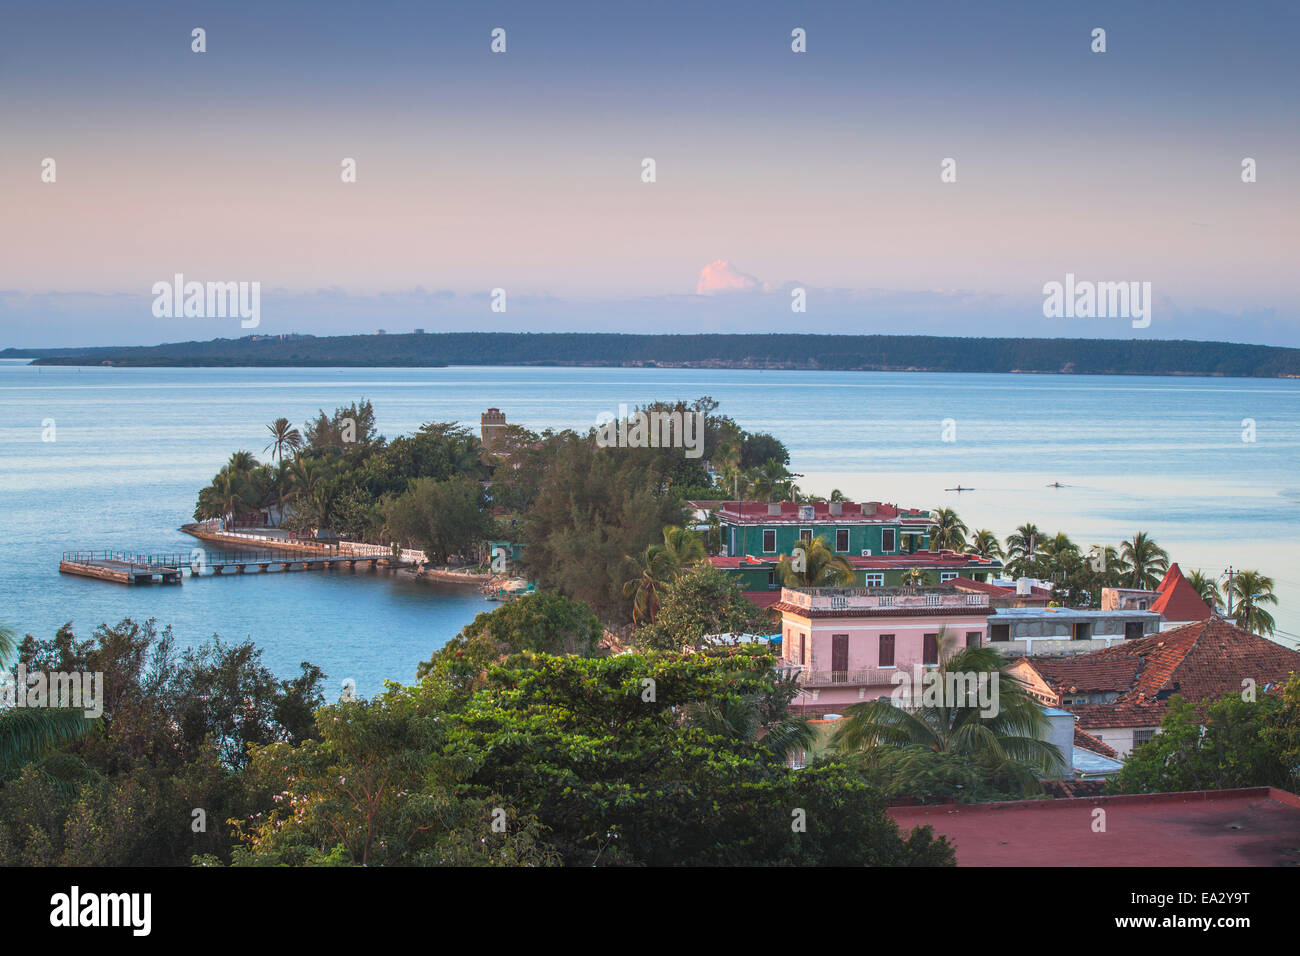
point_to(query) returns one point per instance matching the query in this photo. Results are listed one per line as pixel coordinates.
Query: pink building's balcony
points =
(922, 600)
(864, 677)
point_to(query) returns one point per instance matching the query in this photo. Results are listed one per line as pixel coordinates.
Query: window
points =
(1132, 630)
(874, 580)
(841, 539)
(803, 657)
(930, 649)
(771, 578)
(1142, 736)
(947, 575)
(886, 650)
(888, 540)
(973, 638)
(805, 535)
(1082, 631)
(769, 541)
(999, 632)
(839, 658)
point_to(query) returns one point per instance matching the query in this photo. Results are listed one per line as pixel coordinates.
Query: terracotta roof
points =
(1082, 674)
(997, 590)
(762, 598)
(1178, 600)
(1200, 661)
(1253, 827)
(1086, 741)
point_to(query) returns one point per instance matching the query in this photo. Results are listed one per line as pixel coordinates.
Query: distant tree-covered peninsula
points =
(832, 352)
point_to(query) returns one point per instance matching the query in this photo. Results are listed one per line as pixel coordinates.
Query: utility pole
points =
(1229, 572)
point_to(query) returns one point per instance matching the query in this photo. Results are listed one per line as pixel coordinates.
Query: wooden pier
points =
(125, 567)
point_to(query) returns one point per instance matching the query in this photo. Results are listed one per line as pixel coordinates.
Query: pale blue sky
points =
(522, 171)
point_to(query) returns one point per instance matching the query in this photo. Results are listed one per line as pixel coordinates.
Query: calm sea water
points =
(133, 446)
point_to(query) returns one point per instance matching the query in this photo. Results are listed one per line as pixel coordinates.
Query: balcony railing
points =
(896, 598)
(865, 677)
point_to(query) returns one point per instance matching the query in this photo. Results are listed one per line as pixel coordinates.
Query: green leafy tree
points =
(619, 775)
(440, 517)
(594, 507)
(704, 600)
(1229, 747)
(543, 622)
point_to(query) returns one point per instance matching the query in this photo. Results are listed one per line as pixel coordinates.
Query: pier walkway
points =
(128, 567)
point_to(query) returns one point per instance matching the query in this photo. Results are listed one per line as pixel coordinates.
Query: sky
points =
(774, 171)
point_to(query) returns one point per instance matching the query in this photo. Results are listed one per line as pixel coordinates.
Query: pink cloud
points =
(721, 276)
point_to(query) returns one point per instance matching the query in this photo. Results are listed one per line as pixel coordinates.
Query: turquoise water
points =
(133, 446)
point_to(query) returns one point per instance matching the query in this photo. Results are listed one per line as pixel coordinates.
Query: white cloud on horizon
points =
(721, 276)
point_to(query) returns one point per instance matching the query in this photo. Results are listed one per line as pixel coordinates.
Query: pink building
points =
(844, 645)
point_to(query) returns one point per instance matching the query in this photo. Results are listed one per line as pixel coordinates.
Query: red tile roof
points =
(1200, 661)
(762, 598)
(997, 590)
(1178, 600)
(1252, 827)
(1086, 741)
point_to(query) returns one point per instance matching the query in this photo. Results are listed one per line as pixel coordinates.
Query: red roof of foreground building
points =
(851, 512)
(1178, 600)
(1201, 660)
(1259, 826)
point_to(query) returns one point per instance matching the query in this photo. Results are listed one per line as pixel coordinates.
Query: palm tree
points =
(307, 475)
(1113, 567)
(283, 435)
(726, 459)
(28, 733)
(1059, 554)
(915, 577)
(770, 481)
(985, 544)
(822, 568)
(958, 723)
(229, 493)
(241, 462)
(947, 531)
(1021, 545)
(1206, 588)
(1248, 590)
(1147, 561)
(282, 483)
(682, 547)
(649, 577)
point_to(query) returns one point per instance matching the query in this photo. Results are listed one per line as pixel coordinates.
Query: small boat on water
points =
(959, 488)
